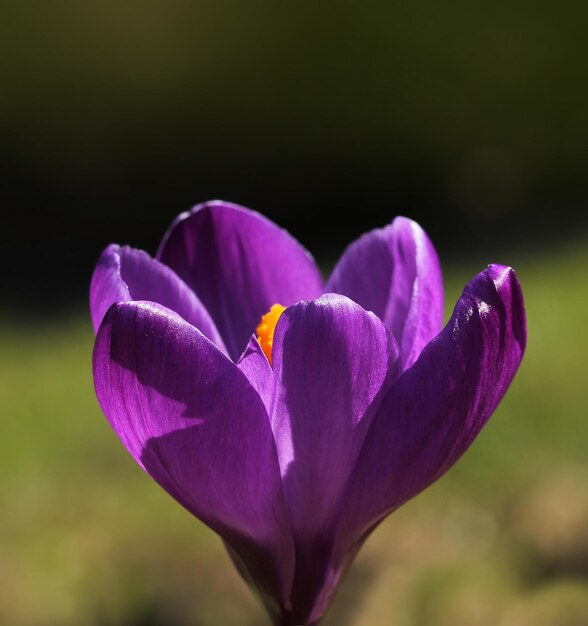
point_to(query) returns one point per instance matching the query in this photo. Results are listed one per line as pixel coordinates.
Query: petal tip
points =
(108, 264)
(402, 220)
(498, 285)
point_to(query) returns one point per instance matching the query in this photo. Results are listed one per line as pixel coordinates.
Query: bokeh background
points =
(330, 118)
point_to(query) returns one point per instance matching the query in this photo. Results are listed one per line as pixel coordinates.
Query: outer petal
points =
(123, 274)
(332, 363)
(239, 264)
(191, 419)
(437, 408)
(394, 272)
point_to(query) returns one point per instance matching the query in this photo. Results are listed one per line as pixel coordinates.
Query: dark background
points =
(330, 118)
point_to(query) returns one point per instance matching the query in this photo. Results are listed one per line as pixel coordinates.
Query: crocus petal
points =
(239, 264)
(394, 272)
(437, 408)
(191, 419)
(254, 364)
(332, 362)
(124, 274)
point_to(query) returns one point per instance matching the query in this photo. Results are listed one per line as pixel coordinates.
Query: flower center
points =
(265, 329)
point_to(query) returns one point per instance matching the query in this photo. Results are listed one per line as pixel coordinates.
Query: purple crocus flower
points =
(294, 447)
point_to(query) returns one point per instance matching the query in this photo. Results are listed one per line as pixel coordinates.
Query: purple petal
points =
(394, 272)
(239, 264)
(332, 362)
(124, 274)
(191, 419)
(254, 364)
(437, 408)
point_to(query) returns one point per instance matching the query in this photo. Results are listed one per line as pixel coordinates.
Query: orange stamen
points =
(265, 329)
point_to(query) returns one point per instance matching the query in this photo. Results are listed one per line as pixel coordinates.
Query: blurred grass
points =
(86, 538)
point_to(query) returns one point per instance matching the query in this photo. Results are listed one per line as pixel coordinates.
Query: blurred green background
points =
(116, 116)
